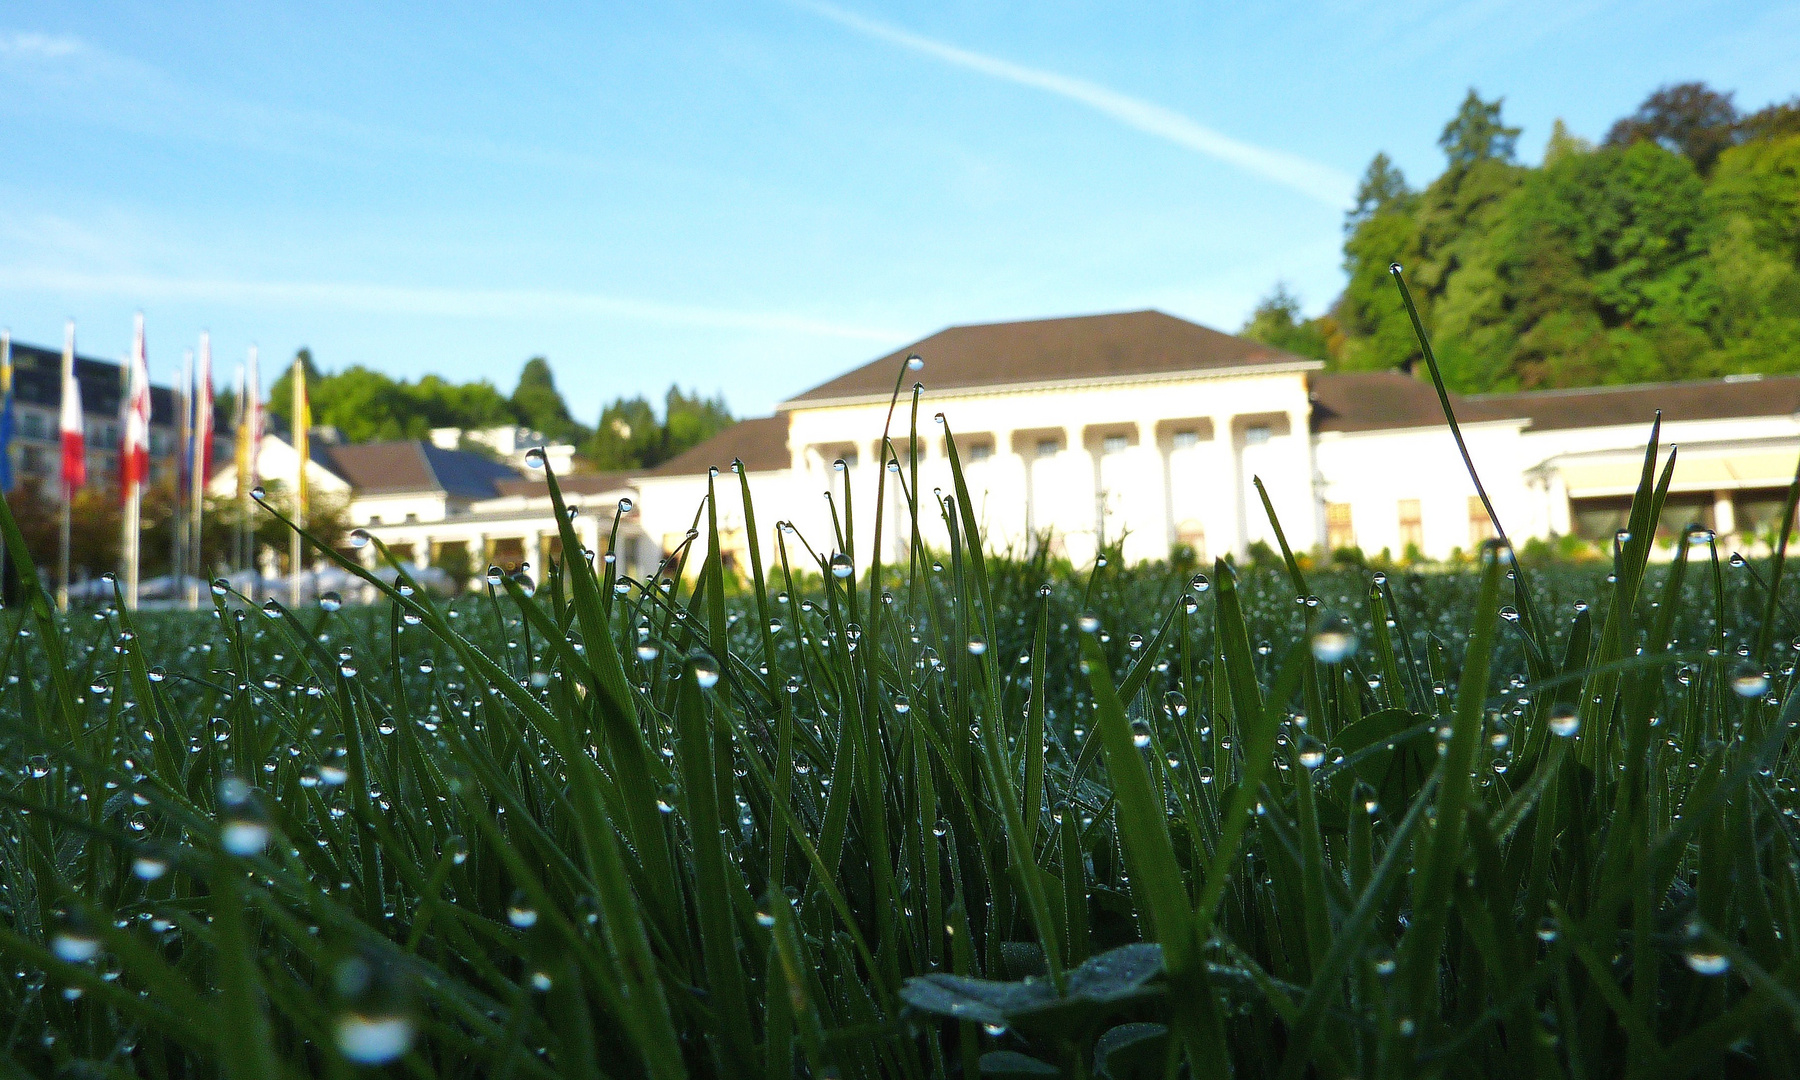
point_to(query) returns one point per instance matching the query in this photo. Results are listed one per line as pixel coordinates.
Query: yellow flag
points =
(302, 424)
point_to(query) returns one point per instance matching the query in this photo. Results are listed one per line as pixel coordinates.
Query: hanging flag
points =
(6, 411)
(134, 448)
(74, 442)
(252, 409)
(202, 427)
(302, 431)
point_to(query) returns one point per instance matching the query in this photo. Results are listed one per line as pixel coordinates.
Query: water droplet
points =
(527, 587)
(706, 671)
(520, 912)
(373, 1040)
(330, 601)
(1708, 963)
(1090, 623)
(156, 674)
(915, 362)
(1140, 734)
(977, 646)
(74, 946)
(647, 651)
(1311, 752)
(1564, 721)
(359, 538)
(841, 567)
(494, 575)
(1334, 640)
(244, 836)
(258, 493)
(149, 867)
(1749, 680)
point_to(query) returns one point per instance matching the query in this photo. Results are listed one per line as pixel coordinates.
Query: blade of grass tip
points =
(1352, 937)
(623, 727)
(622, 920)
(1034, 726)
(1020, 844)
(245, 1045)
(1784, 527)
(50, 637)
(1157, 876)
(1443, 393)
(707, 829)
(1441, 855)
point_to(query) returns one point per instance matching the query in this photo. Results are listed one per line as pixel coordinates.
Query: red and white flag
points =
(203, 413)
(134, 448)
(74, 443)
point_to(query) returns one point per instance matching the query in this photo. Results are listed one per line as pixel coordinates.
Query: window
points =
(374, 519)
(411, 518)
(1256, 436)
(1339, 533)
(1412, 525)
(1184, 440)
(1048, 447)
(981, 451)
(1481, 527)
(1114, 444)
(33, 425)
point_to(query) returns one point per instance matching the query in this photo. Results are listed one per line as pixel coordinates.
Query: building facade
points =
(1136, 431)
(37, 402)
(1145, 431)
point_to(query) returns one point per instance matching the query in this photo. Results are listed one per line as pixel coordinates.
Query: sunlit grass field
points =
(960, 816)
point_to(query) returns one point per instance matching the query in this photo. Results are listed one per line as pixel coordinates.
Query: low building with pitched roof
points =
(1137, 431)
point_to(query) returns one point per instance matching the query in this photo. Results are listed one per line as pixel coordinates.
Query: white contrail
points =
(1310, 178)
(414, 300)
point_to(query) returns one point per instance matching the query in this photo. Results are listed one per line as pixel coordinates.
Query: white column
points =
(1231, 463)
(1725, 514)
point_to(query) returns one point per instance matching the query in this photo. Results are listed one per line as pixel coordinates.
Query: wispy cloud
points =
(35, 46)
(432, 301)
(1322, 182)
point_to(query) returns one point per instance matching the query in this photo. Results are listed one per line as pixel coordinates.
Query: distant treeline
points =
(1669, 251)
(367, 405)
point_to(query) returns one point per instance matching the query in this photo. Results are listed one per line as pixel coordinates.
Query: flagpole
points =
(202, 406)
(68, 487)
(133, 460)
(302, 447)
(178, 563)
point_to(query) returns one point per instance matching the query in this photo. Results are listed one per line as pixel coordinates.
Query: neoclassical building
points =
(1144, 430)
(1136, 429)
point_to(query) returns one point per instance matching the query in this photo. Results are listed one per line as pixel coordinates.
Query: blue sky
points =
(753, 196)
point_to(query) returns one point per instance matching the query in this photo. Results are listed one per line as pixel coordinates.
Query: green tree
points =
(1277, 322)
(628, 436)
(1691, 119)
(1476, 133)
(689, 420)
(539, 405)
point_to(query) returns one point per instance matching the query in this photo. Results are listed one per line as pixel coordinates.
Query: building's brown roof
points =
(761, 444)
(1382, 400)
(1132, 343)
(413, 465)
(572, 484)
(383, 466)
(1604, 406)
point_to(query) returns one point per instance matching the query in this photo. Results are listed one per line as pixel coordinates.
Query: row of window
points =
(1340, 526)
(38, 425)
(1111, 444)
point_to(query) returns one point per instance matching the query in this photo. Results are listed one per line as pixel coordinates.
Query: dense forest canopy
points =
(1669, 251)
(367, 405)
